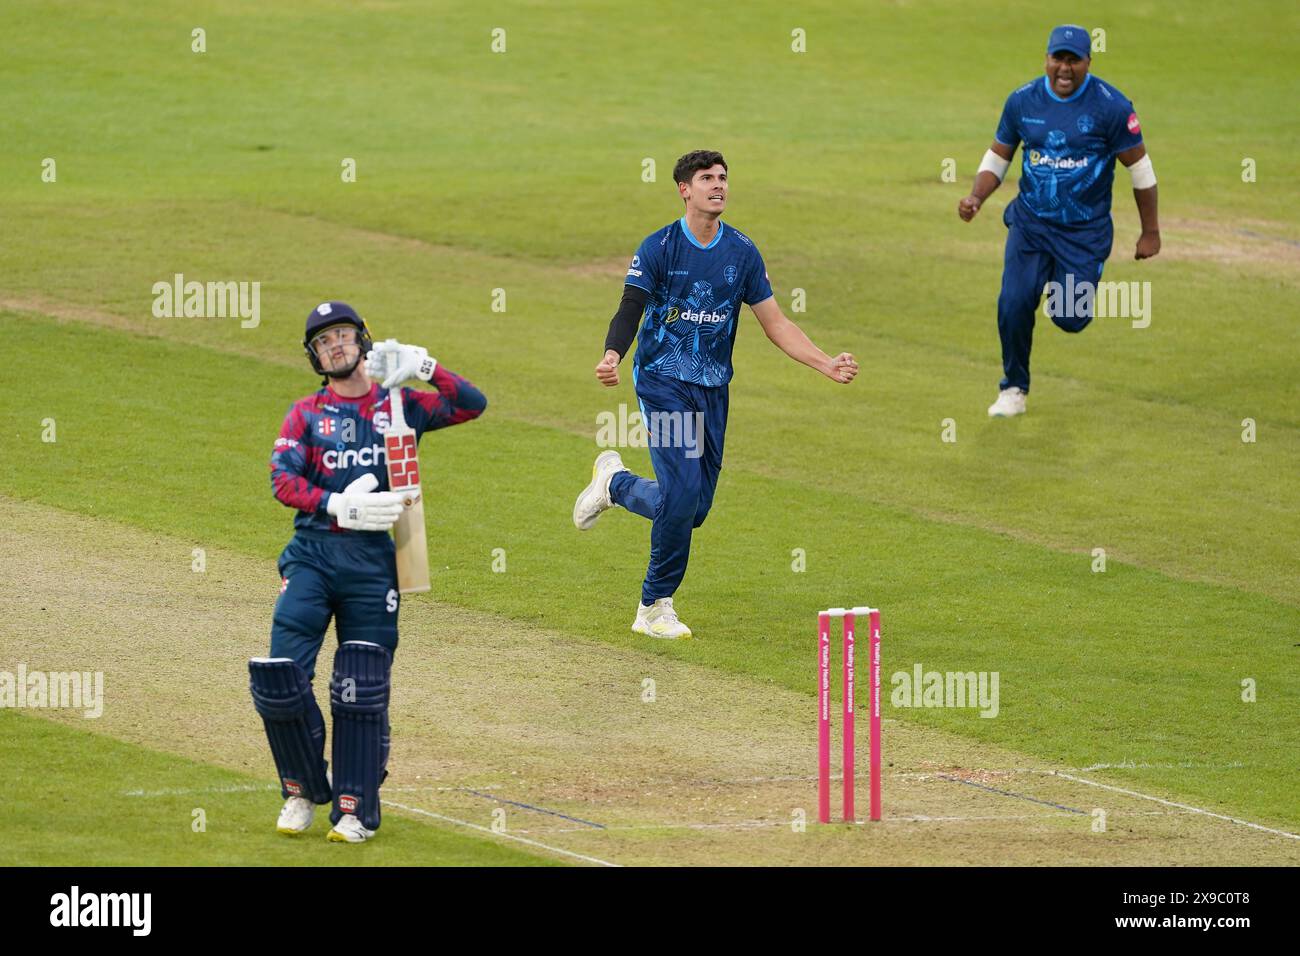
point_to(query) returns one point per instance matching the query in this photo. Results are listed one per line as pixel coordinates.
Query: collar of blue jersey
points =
(695, 242)
(1047, 85)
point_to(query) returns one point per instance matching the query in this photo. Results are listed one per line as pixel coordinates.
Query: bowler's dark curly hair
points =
(693, 162)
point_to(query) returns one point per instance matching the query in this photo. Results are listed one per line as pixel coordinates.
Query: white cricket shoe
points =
(349, 830)
(659, 620)
(595, 497)
(1011, 401)
(296, 816)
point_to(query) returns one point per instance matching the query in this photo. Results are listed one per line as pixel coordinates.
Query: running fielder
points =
(329, 464)
(1073, 126)
(684, 288)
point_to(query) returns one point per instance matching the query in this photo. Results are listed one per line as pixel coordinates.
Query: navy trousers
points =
(1039, 252)
(685, 424)
(351, 577)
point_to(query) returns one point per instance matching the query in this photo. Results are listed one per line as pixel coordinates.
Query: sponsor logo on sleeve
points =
(1133, 125)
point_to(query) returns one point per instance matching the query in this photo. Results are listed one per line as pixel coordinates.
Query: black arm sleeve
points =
(622, 328)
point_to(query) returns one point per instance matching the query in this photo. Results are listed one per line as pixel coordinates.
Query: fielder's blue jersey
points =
(689, 324)
(1068, 160)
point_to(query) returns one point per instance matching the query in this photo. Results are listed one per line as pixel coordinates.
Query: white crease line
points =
(257, 787)
(508, 836)
(183, 791)
(1129, 765)
(1180, 806)
(1009, 771)
(762, 824)
(488, 786)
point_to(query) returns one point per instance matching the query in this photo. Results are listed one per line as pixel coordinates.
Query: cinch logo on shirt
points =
(1038, 159)
(350, 457)
(700, 318)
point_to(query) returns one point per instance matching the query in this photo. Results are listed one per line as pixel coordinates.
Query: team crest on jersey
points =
(1133, 125)
(730, 274)
(325, 427)
(1086, 124)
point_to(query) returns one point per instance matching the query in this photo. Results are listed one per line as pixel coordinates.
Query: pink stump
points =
(873, 651)
(850, 643)
(824, 718)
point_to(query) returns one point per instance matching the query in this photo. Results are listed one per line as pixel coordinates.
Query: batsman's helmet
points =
(335, 313)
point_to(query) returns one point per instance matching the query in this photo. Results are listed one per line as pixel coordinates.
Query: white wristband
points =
(1144, 177)
(995, 164)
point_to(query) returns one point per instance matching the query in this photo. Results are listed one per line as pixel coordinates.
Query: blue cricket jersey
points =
(689, 324)
(1068, 160)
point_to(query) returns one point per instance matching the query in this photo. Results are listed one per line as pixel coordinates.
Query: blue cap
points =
(1073, 38)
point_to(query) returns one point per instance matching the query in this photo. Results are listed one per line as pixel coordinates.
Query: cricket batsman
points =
(684, 289)
(1073, 126)
(329, 464)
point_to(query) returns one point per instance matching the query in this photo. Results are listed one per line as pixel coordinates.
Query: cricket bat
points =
(404, 477)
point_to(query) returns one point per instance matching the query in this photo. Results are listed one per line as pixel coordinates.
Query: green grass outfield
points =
(119, 805)
(522, 171)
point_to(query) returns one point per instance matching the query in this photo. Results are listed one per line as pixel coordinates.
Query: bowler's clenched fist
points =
(607, 369)
(843, 368)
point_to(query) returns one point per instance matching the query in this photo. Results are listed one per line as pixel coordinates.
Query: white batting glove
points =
(359, 507)
(394, 363)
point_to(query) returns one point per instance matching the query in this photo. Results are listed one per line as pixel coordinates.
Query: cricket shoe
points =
(349, 830)
(659, 620)
(595, 497)
(1011, 401)
(296, 816)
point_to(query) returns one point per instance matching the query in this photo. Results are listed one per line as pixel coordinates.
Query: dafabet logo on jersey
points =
(699, 318)
(1038, 159)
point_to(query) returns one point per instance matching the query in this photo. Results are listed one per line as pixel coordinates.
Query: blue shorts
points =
(348, 576)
